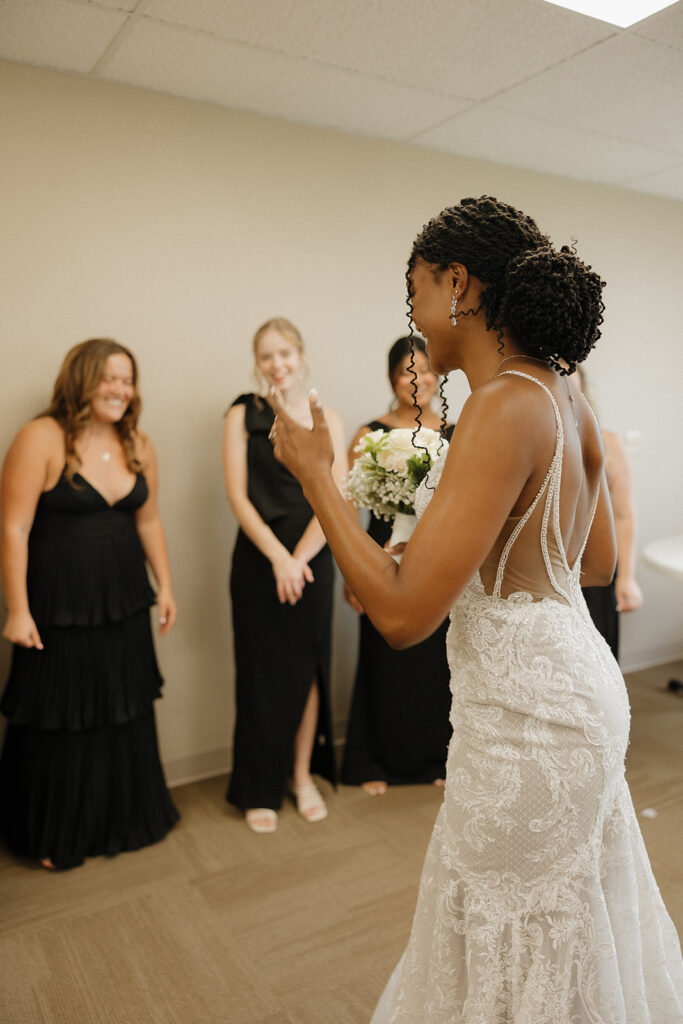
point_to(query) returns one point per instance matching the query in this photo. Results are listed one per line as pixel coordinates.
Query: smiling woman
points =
(80, 773)
(281, 590)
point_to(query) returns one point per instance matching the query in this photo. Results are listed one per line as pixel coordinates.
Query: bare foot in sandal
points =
(262, 820)
(374, 788)
(309, 801)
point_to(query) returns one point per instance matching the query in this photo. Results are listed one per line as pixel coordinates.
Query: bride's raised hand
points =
(304, 452)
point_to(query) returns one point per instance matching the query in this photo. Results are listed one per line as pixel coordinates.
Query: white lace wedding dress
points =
(537, 903)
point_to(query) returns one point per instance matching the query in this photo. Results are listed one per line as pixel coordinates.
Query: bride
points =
(537, 904)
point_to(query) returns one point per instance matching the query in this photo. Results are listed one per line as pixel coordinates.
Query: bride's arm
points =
(489, 461)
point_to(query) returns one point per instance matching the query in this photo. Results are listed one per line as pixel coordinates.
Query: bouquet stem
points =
(402, 530)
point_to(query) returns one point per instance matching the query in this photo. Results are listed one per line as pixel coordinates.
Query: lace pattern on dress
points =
(537, 904)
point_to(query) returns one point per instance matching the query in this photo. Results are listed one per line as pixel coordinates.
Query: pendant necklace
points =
(106, 456)
(571, 402)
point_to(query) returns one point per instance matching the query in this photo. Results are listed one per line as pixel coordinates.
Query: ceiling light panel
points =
(618, 12)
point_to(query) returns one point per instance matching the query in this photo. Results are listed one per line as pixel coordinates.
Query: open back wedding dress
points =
(537, 903)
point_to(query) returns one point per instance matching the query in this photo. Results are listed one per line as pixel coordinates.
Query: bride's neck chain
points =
(533, 359)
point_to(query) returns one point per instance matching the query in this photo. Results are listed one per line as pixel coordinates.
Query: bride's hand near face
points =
(305, 453)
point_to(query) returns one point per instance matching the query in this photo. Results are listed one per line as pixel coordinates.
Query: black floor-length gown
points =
(279, 648)
(80, 773)
(398, 728)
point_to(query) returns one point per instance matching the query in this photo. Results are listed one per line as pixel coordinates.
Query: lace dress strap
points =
(550, 486)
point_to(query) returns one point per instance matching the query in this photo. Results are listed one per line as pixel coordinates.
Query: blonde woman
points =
(80, 773)
(281, 590)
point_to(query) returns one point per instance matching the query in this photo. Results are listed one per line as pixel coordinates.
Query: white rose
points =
(369, 439)
(398, 449)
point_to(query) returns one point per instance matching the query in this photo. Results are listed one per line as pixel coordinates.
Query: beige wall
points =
(177, 227)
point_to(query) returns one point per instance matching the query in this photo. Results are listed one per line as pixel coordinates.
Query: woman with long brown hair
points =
(80, 773)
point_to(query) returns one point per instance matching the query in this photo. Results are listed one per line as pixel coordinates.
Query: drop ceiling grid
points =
(57, 33)
(194, 64)
(515, 81)
(626, 88)
(470, 48)
(490, 132)
(666, 27)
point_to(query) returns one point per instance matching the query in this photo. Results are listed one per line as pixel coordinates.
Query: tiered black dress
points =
(80, 773)
(279, 648)
(398, 728)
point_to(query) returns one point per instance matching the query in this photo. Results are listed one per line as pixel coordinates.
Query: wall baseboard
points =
(651, 658)
(195, 767)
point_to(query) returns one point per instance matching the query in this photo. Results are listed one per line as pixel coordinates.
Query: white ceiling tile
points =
(491, 133)
(470, 48)
(665, 28)
(625, 88)
(168, 59)
(57, 33)
(665, 183)
(582, 99)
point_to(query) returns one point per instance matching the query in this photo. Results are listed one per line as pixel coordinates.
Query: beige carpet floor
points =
(216, 925)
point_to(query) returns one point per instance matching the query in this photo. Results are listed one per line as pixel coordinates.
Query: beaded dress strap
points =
(552, 482)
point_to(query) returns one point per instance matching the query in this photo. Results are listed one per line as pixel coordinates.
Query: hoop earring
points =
(453, 317)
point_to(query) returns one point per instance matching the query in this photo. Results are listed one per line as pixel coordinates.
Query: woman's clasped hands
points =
(291, 576)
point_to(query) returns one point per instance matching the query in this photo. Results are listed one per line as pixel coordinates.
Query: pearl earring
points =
(454, 300)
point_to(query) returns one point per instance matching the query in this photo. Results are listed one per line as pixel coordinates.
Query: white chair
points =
(666, 556)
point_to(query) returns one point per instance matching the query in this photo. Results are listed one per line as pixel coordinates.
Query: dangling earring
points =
(454, 300)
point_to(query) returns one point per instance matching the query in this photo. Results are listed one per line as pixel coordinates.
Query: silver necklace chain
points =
(532, 358)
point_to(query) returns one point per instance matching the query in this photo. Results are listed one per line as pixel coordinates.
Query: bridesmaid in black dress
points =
(398, 732)
(281, 591)
(80, 773)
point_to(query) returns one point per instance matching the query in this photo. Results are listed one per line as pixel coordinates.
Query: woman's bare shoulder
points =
(506, 397)
(611, 440)
(332, 416)
(236, 414)
(42, 434)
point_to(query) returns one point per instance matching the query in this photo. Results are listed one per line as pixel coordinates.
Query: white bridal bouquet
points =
(389, 469)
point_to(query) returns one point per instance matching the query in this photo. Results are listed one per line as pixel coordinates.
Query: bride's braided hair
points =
(548, 300)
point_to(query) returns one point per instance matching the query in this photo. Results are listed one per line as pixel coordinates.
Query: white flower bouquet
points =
(390, 466)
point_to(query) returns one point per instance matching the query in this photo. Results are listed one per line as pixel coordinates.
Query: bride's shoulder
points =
(503, 415)
(509, 397)
(497, 400)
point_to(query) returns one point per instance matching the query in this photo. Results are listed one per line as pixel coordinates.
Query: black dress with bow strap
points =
(280, 649)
